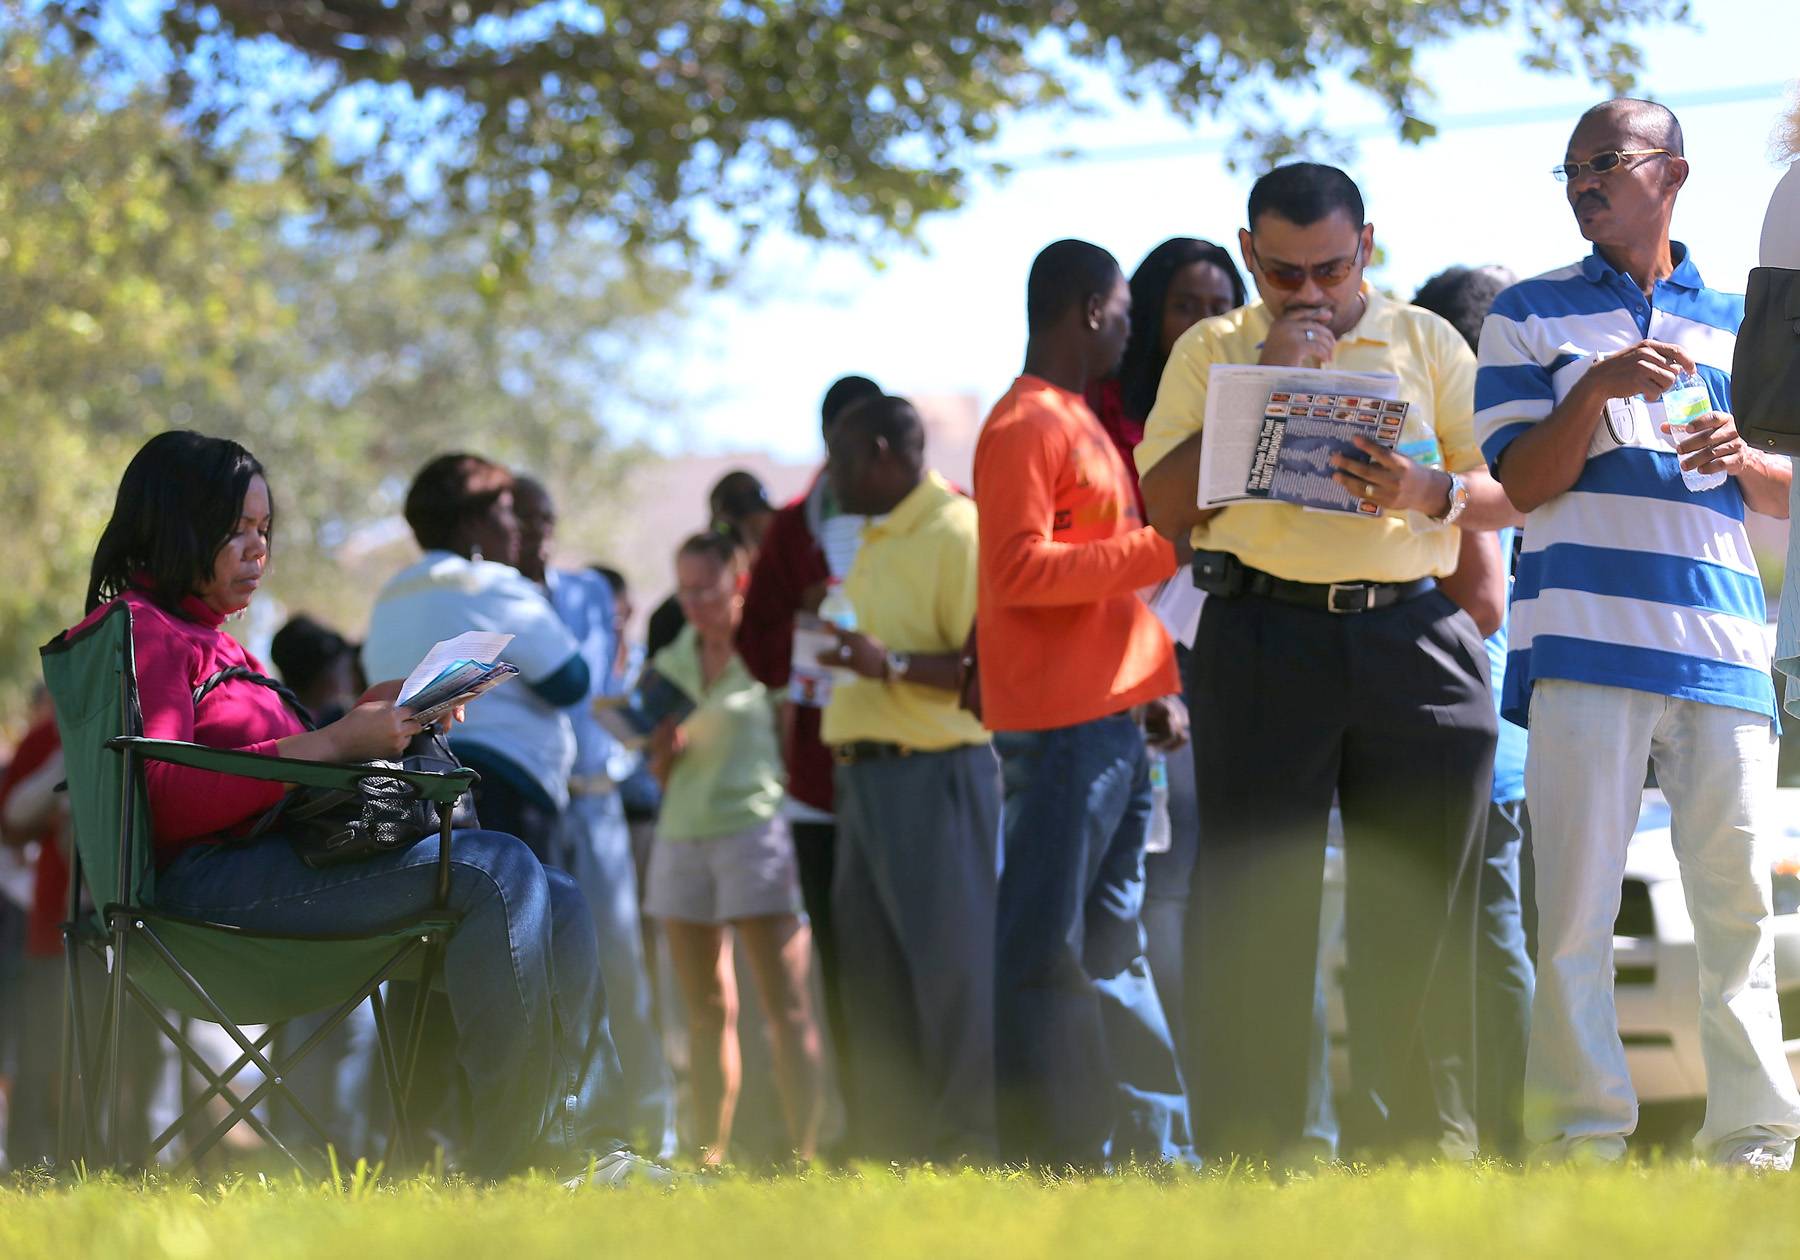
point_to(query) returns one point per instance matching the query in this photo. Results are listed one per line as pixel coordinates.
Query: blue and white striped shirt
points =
(1627, 579)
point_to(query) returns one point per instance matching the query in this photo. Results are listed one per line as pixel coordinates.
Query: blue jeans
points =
(596, 850)
(1085, 1067)
(1168, 887)
(522, 974)
(1504, 983)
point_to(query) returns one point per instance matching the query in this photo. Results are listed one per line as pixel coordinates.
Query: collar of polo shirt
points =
(1685, 276)
(913, 509)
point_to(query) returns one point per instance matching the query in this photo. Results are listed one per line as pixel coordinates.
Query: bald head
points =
(1641, 124)
(1624, 169)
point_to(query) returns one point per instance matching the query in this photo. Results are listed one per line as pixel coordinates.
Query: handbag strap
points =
(231, 672)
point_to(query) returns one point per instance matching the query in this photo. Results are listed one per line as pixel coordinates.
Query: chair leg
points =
(244, 1111)
(73, 1085)
(216, 1082)
(218, 1085)
(415, 1032)
(400, 1128)
(115, 1045)
(252, 1051)
(74, 1047)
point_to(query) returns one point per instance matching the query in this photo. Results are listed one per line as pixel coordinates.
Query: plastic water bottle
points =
(1161, 830)
(1685, 403)
(836, 607)
(809, 682)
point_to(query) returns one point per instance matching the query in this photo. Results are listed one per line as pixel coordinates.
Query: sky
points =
(951, 318)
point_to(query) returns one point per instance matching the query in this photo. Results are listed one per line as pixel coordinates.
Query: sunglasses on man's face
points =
(1601, 163)
(1288, 278)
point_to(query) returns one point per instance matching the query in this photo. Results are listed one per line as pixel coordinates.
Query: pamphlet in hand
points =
(454, 672)
(1271, 433)
(632, 717)
(1177, 603)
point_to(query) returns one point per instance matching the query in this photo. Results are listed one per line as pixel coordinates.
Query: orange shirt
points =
(1063, 636)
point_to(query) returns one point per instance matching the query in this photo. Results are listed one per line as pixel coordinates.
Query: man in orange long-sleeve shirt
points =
(1085, 1069)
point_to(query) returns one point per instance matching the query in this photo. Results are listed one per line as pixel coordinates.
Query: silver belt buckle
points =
(1356, 588)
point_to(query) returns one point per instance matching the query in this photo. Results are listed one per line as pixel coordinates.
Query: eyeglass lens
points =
(1288, 278)
(1600, 164)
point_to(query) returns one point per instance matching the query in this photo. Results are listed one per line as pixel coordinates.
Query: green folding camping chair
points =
(198, 970)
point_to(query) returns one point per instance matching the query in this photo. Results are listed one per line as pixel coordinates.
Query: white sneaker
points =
(621, 1168)
(1756, 1158)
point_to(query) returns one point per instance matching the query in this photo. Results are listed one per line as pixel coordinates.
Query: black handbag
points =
(1765, 367)
(333, 826)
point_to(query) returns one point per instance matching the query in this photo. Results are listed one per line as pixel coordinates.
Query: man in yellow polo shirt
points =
(1327, 664)
(918, 805)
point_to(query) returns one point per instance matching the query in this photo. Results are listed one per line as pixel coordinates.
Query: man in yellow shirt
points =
(1327, 665)
(918, 805)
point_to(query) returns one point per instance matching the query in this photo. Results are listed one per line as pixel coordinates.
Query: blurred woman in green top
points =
(723, 858)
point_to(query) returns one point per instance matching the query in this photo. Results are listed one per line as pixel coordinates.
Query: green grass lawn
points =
(1640, 1211)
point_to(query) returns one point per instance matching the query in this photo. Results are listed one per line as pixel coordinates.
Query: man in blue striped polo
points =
(1637, 627)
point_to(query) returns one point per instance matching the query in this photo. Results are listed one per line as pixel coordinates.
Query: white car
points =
(1655, 969)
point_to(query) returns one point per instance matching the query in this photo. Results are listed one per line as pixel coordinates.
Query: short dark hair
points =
(1463, 295)
(739, 493)
(449, 491)
(180, 497)
(728, 551)
(303, 649)
(889, 417)
(1304, 193)
(843, 392)
(612, 576)
(1140, 371)
(1065, 274)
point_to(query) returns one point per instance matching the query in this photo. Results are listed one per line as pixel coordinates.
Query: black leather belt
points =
(860, 750)
(1223, 574)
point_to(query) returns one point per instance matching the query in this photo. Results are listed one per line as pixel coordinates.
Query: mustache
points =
(1591, 198)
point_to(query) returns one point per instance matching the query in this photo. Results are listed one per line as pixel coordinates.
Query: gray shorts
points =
(741, 876)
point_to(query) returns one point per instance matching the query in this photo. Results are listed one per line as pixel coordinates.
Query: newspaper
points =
(1300, 435)
(1252, 409)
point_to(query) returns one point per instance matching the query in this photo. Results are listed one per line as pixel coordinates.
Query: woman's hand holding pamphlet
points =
(633, 717)
(454, 673)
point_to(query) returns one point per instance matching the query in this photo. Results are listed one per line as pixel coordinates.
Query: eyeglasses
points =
(1325, 274)
(1601, 163)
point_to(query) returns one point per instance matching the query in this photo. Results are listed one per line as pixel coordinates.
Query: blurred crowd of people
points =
(1018, 864)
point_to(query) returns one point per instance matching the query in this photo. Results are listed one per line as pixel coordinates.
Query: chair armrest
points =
(443, 789)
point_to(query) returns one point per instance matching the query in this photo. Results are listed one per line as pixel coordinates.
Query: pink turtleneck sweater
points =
(175, 654)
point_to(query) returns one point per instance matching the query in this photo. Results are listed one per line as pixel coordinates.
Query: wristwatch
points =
(1459, 500)
(897, 665)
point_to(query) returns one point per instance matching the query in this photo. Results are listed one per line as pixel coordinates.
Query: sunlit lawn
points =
(1660, 1209)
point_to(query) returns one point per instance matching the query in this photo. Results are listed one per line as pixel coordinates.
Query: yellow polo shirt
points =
(1437, 377)
(913, 587)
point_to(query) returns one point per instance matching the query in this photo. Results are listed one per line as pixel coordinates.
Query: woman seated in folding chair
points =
(187, 546)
